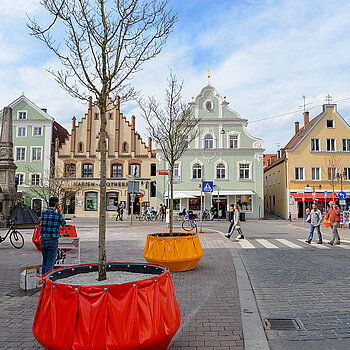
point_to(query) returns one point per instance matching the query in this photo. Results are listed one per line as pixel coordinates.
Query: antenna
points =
(305, 104)
(278, 144)
(328, 99)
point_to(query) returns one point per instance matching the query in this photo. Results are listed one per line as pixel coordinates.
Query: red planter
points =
(137, 315)
(66, 230)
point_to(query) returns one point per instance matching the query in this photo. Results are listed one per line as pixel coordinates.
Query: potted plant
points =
(104, 43)
(172, 128)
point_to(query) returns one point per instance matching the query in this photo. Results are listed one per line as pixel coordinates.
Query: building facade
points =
(222, 152)
(33, 134)
(313, 167)
(77, 164)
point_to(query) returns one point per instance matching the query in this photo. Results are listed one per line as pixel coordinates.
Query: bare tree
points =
(172, 127)
(105, 42)
(333, 164)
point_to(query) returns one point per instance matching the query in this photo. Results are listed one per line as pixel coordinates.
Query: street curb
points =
(253, 331)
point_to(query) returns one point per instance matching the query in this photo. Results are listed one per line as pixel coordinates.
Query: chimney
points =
(306, 118)
(278, 154)
(44, 109)
(296, 127)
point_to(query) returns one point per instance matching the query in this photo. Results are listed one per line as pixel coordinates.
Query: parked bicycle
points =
(16, 237)
(206, 215)
(189, 224)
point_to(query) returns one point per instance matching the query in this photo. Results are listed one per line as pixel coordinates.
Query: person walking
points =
(160, 214)
(334, 216)
(315, 222)
(236, 225)
(51, 220)
(212, 211)
(118, 213)
(121, 211)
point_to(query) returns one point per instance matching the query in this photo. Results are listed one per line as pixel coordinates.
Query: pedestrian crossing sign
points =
(207, 186)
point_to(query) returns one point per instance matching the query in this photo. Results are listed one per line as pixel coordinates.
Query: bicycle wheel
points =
(16, 239)
(141, 217)
(186, 225)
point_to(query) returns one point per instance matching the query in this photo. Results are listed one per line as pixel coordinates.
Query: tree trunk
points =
(102, 209)
(171, 217)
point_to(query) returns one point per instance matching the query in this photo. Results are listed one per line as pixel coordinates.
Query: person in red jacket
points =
(334, 216)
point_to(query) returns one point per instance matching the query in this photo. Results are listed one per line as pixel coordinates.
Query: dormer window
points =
(209, 105)
(22, 115)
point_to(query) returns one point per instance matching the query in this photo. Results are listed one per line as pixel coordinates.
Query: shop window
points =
(194, 204)
(176, 204)
(117, 171)
(69, 170)
(245, 202)
(153, 169)
(91, 201)
(135, 170)
(112, 201)
(87, 170)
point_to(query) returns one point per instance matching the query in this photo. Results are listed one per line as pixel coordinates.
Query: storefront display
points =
(244, 202)
(194, 203)
(90, 201)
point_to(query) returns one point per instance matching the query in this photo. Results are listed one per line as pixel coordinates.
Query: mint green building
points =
(223, 152)
(33, 134)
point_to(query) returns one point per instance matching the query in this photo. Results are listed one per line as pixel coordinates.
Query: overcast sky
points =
(263, 55)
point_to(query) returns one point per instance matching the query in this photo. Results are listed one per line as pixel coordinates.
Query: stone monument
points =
(8, 191)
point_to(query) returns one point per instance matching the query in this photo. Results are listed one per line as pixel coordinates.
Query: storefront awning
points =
(317, 196)
(193, 194)
(233, 193)
(181, 195)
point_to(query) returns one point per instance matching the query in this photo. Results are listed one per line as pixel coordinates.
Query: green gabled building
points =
(34, 132)
(223, 152)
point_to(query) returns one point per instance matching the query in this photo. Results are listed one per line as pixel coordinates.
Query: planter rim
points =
(175, 234)
(155, 271)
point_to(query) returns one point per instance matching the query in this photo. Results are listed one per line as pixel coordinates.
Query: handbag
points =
(308, 218)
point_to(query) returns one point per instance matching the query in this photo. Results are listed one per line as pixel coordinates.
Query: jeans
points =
(312, 228)
(335, 237)
(49, 249)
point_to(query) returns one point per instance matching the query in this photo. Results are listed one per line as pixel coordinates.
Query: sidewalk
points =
(208, 296)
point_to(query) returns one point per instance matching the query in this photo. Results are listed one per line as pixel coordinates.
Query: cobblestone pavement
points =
(295, 280)
(208, 295)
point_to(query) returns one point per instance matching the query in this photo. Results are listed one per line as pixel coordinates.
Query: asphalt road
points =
(294, 280)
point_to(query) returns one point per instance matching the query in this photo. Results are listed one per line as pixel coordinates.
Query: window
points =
(176, 170)
(153, 189)
(20, 179)
(35, 179)
(21, 131)
(221, 171)
(69, 170)
(346, 173)
(244, 202)
(209, 105)
(299, 173)
(331, 173)
(315, 173)
(20, 153)
(270, 180)
(112, 201)
(184, 143)
(274, 179)
(124, 147)
(279, 177)
(346, 145)
(80, 147)
(36, 154)
(153, 169)
(315, 145)
(117, 170)
(244, 171)
(196, 171)
(21, 115)
(91, 201)
(110, 115)
(96, 116)
(233, 141)
(331, 145)
(194, 203)
(135, 170)
(208, 141)
(37, 131)
(265, 181)
(330, 123)
(87, 170)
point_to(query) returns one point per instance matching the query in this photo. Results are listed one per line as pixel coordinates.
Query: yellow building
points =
(314, 166)
(77, 164)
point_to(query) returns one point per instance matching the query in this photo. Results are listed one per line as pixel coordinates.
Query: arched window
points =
(208, 141)
(124, 147)
(196, 171)
(221, 171)
(80, 147)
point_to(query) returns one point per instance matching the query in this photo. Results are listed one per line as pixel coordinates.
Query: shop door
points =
(37, 207)
(222, 207)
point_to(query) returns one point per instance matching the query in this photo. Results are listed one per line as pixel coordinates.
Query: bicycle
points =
(139, 217)
(206, 215)
(189, 224)
(16, 237)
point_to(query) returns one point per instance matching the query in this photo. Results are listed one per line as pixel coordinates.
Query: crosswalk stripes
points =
(319, 246)
(244, 243)
(266, 243)
(288, 243)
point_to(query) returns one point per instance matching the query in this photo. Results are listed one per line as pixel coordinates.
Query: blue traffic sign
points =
(342, 195)
(207, 186)
(325, 194)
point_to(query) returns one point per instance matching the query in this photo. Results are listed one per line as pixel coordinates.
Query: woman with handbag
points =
(235, 222)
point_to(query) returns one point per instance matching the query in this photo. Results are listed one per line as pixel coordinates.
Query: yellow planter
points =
(180, 252)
